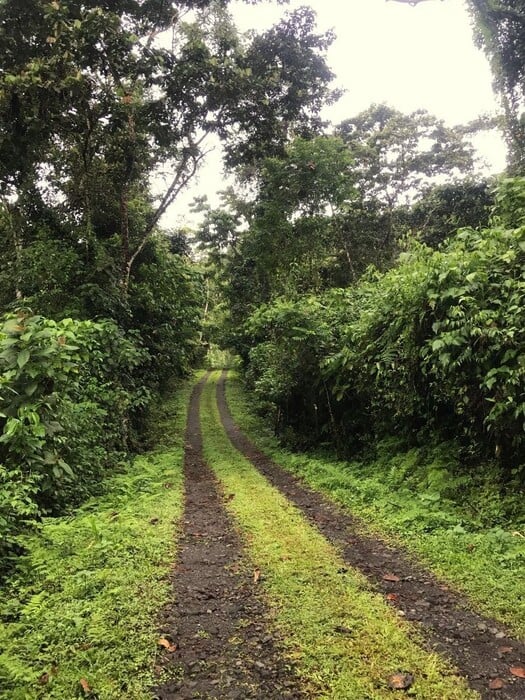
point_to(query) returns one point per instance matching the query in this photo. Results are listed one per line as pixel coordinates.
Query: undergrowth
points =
(461, 526)
(78, 616)
(344, 639)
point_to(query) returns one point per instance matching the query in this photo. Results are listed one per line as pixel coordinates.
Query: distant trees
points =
(315, 216)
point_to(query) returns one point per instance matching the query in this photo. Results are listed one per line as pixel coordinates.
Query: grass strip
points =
(345, 639)
(79, 617)
(485, 563)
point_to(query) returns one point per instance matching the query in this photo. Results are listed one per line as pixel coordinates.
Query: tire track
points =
(479, 647)
(222, 645)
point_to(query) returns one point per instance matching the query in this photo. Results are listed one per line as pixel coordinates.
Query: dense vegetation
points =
(369, 278)
(105, 112)
(372, 282)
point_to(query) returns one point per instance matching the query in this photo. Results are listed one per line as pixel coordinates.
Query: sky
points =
(385, 51)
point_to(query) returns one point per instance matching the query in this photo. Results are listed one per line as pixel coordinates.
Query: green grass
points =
(467, 534)
(84, 602)
(344, 639)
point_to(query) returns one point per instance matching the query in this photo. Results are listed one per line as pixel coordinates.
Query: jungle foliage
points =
(500, 30)
(105, 112)
(367, 298)
(432, 346)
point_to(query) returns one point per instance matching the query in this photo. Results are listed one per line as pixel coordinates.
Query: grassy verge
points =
(345, 639)
(78, 618)
(406, 502)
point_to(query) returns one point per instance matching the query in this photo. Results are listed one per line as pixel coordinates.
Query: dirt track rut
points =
(218, 628)
(479, 647)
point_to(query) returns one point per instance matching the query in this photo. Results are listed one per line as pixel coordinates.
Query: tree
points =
(500, 30)
(443, 209)
(284, 236)
(395, 154)
(395, 157)
(95, 99)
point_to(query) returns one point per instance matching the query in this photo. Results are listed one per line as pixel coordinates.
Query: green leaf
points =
(23, 358)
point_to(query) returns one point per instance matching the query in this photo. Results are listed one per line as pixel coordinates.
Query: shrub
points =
(66, 394)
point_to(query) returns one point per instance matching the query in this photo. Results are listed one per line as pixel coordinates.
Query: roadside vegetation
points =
(79, 613)
(367, 281)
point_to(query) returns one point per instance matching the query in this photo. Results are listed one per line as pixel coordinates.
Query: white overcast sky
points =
(385, 51)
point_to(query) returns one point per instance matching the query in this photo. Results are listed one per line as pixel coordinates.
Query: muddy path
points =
(221, 643)
(481, 648)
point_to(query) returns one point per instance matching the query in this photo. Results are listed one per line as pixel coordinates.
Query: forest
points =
(361, 287)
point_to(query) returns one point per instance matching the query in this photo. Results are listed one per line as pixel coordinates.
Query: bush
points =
(66, 395)
(434, 345)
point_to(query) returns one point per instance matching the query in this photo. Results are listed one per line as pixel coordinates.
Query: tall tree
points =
(395, 153)
(396, 156)
(500, 29)
(98, 98)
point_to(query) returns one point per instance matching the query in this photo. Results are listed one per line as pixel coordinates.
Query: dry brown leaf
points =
(167, 644)
(44, 678)
(518, 671)
(391, 577)
(256, 576)
(496, 684)
(392, 597)
(85, 686)
(400, 681)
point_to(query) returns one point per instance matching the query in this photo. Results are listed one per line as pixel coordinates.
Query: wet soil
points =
(218, 628)
(481, 649)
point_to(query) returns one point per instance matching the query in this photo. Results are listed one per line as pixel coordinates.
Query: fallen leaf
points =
(256, 576)
(504, 650)
(400, 681)
(230, 497)
(167, 644)
(85, 686)
(496, 684)
(392, 597)
(518, 671)
(391, 577)
(44, 678)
